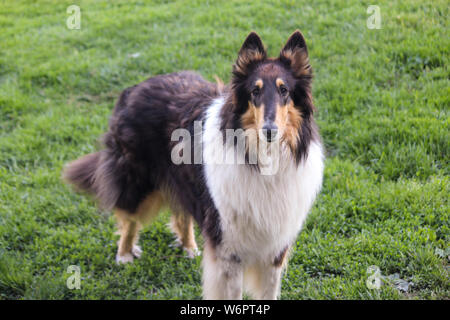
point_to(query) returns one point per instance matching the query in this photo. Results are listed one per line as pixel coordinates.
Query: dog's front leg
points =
(270, 282)
(222, 275)
(263, 279)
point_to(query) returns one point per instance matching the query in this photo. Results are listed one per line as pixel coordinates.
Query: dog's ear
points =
(252, 50)
(295, 55)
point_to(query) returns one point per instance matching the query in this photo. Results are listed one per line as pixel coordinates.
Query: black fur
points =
(136, 159)
(298, 74)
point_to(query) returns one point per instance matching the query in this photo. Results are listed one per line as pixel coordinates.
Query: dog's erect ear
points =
(252, 50)
(295, 55)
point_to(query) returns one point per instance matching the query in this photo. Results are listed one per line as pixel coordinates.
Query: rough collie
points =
(248, 197)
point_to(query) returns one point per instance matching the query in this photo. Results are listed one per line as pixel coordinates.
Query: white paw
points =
(126, 258)
(176, 243)
(192, 253)
(136, 251)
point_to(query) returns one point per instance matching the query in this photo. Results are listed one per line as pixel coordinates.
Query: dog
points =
(249, 216)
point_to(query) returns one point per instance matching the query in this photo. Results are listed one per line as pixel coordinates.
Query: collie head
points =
(273, 95)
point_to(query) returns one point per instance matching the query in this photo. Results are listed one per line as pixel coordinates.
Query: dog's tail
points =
(81, 172)
(105, 174)
(95, 174)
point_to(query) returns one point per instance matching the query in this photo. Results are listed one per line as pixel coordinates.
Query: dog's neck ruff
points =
(260, 214)
(239, 146)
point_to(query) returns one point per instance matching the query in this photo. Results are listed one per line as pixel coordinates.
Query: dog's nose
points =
(270, 131)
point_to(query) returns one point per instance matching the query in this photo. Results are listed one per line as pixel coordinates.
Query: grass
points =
(383, 101)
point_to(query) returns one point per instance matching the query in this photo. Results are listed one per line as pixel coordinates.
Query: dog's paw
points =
(136, 251)
(176, 243)
(126, 258)
(192, 252)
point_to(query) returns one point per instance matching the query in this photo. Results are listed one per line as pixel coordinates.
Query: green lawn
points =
(383, 111)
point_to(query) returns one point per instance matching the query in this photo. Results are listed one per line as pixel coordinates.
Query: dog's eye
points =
(256, 91)
(283, 90)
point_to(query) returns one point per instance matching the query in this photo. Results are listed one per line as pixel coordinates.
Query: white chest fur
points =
(260, 214)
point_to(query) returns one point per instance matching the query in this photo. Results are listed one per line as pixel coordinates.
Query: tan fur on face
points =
(279, 82)
(252, 122)
(288, 119)
(253, 118)
(281, 118)
(259, 83)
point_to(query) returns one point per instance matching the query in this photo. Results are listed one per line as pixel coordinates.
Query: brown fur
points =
(246, 57)
(291, 122)
(80, 172)
(129, 224)
(133, 174)
(253, 118)
(183, 226)
(281, 258)
(300, 61)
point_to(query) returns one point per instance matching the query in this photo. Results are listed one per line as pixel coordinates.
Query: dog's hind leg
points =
(129, 232)
(182, 225)
(129, 225)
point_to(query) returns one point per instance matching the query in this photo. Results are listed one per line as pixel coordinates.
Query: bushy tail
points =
(112, 175)
(94, 173)
(81, 172)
